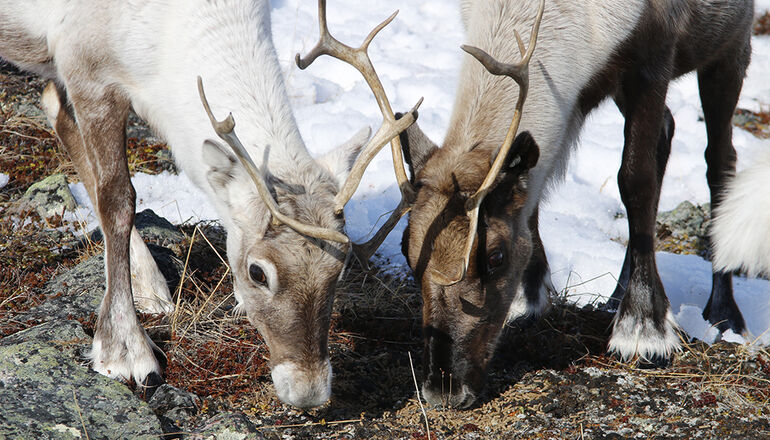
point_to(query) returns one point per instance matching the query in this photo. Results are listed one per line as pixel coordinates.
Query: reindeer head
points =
(464, 313)
(284, 280)
(286, 244)
(468, 242)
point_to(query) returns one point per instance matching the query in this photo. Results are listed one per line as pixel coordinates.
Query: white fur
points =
(300, 387)
(570, 33)
(148, 285)
(124, 351)
(740, 231)
(521, 307)
(633, 337)
(129, 356)
(457, 400)
(337, 161)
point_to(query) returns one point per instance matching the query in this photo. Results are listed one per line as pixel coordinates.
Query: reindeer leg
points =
(720, 84)
(149, 286)
(151, 294)
(664, 150)
(643, 325)
(121, 348)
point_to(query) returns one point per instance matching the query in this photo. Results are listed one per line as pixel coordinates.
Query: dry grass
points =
(210, 350)
(762, 24)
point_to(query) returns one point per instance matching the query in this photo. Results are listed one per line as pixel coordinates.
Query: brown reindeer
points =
(282, 210)
(472, 239)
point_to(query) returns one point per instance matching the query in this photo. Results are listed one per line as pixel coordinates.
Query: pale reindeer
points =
(472, 238)
(740, 231)
(283, 214)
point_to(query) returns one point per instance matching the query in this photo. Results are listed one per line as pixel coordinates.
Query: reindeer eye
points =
(257, 274)
(495, 259)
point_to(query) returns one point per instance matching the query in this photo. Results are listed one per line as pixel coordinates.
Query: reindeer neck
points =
(231, 48)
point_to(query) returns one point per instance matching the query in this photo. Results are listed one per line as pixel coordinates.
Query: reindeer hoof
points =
(656, 362)
(149, 385)
(642, 339)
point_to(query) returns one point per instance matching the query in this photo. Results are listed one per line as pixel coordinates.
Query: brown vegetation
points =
(762, 24)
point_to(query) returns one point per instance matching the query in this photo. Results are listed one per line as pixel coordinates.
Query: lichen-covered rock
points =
(46, 393)
(227, 426)
(50, 196)
(66, 335)
(75, 294)
(166, 161)
(684, 229)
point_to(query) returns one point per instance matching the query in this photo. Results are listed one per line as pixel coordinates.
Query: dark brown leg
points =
(720, 85)
(664, 149)
(643, 325)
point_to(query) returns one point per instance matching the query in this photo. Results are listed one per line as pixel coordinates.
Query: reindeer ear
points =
(236, 198)
(416, 146)
(221, 165)
(513, 178)
(340, 160)
(522, 156)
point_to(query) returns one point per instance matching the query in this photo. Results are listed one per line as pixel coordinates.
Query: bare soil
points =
(550, 379)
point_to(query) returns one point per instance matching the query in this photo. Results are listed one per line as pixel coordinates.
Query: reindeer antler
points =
(226, 130)
(519, 72)
(388, 131)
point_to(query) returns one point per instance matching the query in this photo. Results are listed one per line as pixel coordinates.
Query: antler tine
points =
(388, 131)
(519, 72)
(226, 130)
(364, 251)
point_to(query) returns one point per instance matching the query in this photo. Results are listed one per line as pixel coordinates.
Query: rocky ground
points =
(548, 380)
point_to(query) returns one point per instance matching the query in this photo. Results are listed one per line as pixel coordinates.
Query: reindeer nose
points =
(301, 386)
(448, 381)
(459, 397)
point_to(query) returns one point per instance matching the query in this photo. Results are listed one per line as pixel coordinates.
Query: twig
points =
(417, 390)
(80, 414)
(321, 423)
(211, 295)
(174, 321)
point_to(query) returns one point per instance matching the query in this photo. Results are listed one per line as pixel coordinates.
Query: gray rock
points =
(166, 160)
(68, 335)
(153, 229)
(32, 111)
(226, 426)
(75, 294)
(50, 196)
(174, 403)
(158, 230)
(46, 393)
(137, 128)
